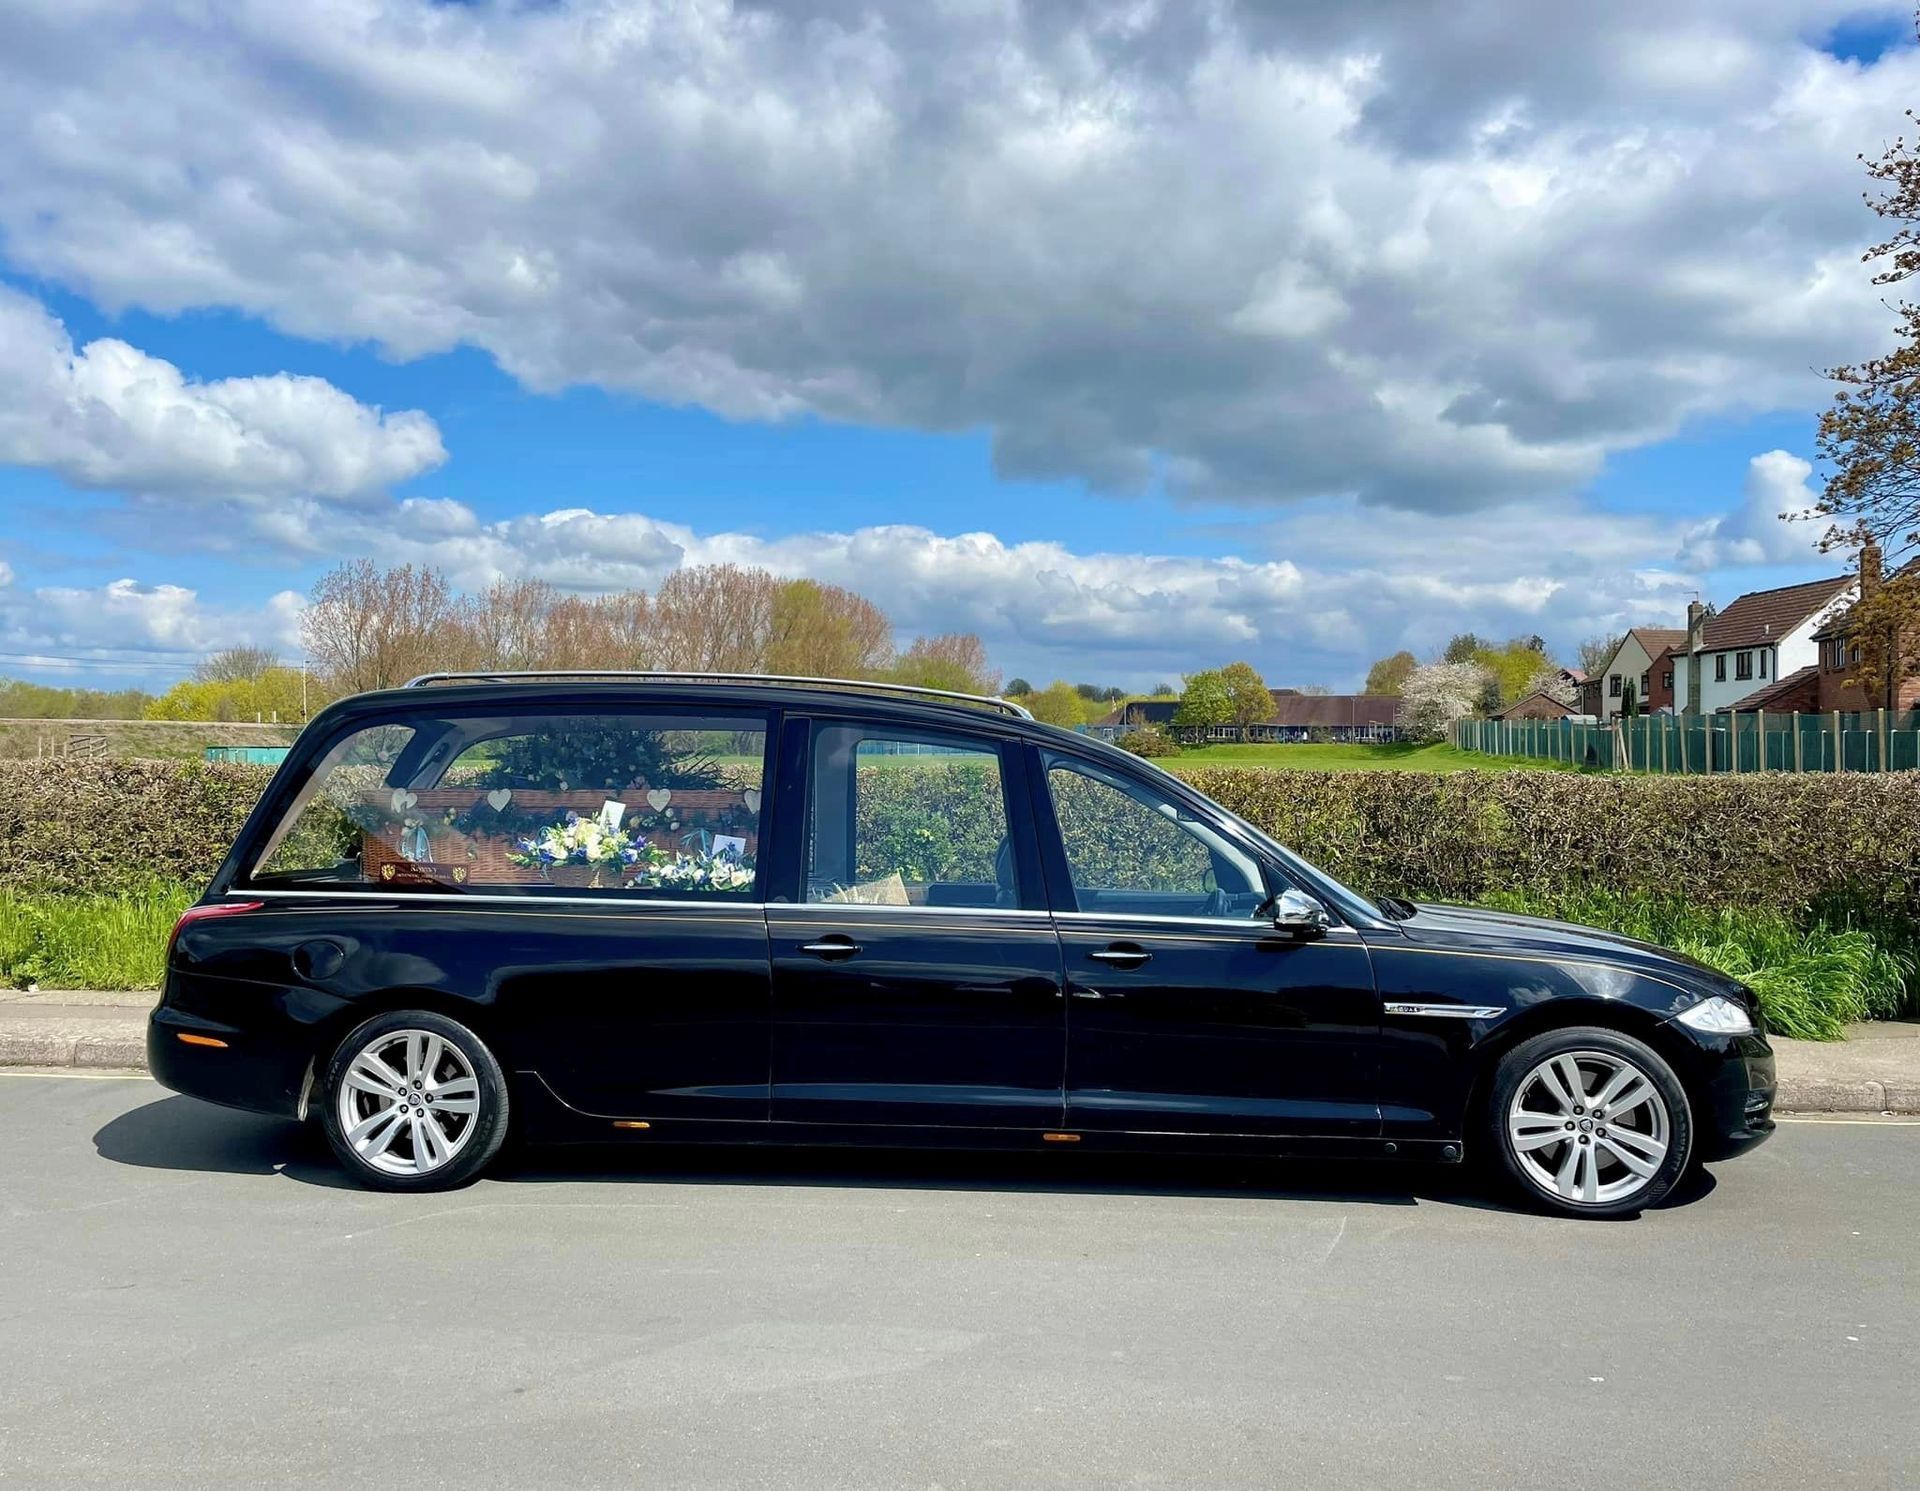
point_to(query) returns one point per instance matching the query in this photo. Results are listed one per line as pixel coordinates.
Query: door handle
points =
(1122, 957)
(831, 947)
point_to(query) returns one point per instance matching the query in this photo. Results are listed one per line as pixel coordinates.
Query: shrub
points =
(1149, 741)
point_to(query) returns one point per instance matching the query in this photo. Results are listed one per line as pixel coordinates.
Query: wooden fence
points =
(1876, 740)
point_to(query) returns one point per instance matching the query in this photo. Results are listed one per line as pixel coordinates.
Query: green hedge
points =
(108, 825)
(1817, 845)
(1812, 844)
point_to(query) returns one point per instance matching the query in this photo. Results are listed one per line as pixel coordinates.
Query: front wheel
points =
(1590, 1122)
(415, 1102)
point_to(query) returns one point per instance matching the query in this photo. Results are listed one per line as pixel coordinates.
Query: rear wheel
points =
(414, 1102)
(1590, 1122)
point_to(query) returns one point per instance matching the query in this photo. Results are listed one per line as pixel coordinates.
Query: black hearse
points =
(660, 907)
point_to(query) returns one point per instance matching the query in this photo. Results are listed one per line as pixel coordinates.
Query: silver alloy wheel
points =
(408, 1102)
(1589, 1126)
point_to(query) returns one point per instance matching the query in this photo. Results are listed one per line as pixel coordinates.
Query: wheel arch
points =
(481, 1019)
(1561, 1014)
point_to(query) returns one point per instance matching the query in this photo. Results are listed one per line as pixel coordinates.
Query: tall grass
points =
(1812, 980)
(110, 941)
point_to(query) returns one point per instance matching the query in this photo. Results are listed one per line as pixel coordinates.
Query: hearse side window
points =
(661, 804)
(904, 820)
(1132, 850)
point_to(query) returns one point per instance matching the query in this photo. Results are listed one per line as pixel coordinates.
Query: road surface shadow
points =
(179, 1133)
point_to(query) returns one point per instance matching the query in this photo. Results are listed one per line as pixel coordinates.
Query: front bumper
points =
(1738, 1087)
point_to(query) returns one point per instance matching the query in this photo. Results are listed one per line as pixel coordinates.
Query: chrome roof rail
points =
(615, 675)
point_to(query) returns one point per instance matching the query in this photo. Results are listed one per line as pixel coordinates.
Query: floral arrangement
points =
(699, 871)
(579, 841)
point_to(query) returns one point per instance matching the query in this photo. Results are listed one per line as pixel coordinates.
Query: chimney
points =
(1696, 630)
(1869, 568)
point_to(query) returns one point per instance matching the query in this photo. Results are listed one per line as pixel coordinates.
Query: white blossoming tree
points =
(1435, 696)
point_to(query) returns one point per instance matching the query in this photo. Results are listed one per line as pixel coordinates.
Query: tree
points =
(368, 628)
(1389, 674)
(1596, 652)
(1252, 700)
(823, 631)
(952, 660)
(1461, 648)
(1437, 695)
(234, 663)
(1057, 704)
(1870, 439)
(1205, 700)
(1552, 680)
(1512, 670)
(1630, 701)
(271, 694)
(1017, 687)
(715, 618)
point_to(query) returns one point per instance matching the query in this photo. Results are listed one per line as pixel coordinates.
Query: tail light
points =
(205, 914)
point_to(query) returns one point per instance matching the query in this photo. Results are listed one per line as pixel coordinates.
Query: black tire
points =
(472, 1140)
(1572, 1140)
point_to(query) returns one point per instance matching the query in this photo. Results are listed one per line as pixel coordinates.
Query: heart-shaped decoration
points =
(403, 799)
(658, 798)
(499, 798)
(752, 796)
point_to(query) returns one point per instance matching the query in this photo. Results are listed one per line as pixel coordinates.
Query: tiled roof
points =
(1534, 700)
(1312, 710)
(1657, 639)
(1144, 711)
(1800, 689)
(1768, 615)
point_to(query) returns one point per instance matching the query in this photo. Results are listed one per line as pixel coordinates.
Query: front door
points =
(916, 978)
(1187, 1010)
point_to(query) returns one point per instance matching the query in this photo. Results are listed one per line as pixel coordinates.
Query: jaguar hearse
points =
(668, 908)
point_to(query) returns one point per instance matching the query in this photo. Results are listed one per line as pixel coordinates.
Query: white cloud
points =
(1760, 530)
(1323, 595)
(1440, 256)
(151, 632)
(108, 415)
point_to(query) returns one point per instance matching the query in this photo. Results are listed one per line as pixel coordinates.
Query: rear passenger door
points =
(916, 974)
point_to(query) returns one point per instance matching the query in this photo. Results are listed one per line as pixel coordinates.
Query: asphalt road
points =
(189, 1297)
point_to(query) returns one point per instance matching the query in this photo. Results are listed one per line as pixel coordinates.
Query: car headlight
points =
(1718, 1015)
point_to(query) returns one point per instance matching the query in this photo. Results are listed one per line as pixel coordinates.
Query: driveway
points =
(191, 1298)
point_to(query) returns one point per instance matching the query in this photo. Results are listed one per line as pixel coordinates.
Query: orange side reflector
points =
(631, 1123)
(202, 1040)
(1061, 1138)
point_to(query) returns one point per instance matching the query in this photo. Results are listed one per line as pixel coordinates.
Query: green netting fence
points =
(1691, 744)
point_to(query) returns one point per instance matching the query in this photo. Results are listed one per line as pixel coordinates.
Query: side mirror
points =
(1296, 911)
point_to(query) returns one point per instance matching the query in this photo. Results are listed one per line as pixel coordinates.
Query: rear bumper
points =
(260, 1073)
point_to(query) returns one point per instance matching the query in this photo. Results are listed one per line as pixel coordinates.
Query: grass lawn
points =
(1396, 757)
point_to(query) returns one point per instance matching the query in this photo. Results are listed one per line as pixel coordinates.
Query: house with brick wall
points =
(1838, 676)
(1762, 639)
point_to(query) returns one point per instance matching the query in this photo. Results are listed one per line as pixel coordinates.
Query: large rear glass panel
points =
(652, 803)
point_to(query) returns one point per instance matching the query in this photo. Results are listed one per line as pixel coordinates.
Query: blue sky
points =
(1301, 343)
